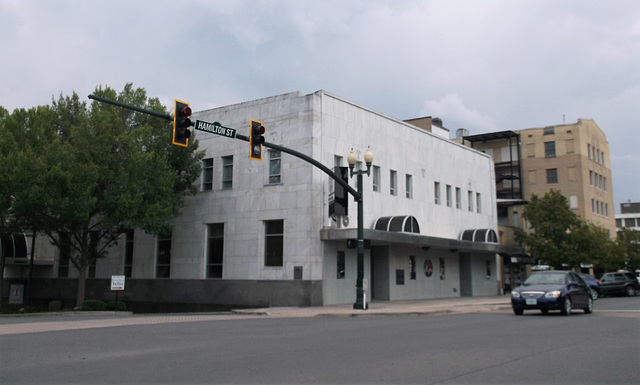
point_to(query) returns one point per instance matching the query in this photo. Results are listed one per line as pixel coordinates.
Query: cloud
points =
(451, 108)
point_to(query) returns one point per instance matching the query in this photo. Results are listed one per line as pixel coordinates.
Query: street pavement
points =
(45, 322)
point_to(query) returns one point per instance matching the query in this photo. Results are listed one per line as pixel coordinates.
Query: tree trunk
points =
(82, 279)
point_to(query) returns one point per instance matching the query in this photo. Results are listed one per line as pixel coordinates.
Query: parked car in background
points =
(594, 284)
(552, 290)
(621, 283)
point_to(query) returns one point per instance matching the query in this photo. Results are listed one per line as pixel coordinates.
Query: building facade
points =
(571, 158)
(629, 216)
(267, 233)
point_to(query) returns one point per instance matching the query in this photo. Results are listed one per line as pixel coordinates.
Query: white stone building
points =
(259, 233)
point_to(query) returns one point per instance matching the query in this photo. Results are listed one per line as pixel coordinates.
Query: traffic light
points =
(256, 139)
(181, 124)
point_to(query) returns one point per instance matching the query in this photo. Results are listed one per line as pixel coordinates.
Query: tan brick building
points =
(572, 158)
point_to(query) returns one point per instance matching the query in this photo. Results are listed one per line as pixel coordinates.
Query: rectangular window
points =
(409, 186)
(207, 174)
(163, 256)
(549, 130)
(64, 254)
(215, 249)
(274, 243)
(589, 151)
(376, 179)
(449, 196)
(590, 178)
(593, 205)
(531, 150)
(412, 266)
(227, 172)
(552, 176)
(549, 149)
(478, 203)
(604, 183)
(128, 253)
(436, 193)
(470, 199)
(458, 198)
(340, 265)
(571, 174)
(275, 166)
(573, 202)
(393, 181)
(603, 162)
(569, 145)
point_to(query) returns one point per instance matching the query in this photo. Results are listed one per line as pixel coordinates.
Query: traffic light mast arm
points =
(314, 162)
(134, 108)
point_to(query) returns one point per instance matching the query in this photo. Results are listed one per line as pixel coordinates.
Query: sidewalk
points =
(416, 307)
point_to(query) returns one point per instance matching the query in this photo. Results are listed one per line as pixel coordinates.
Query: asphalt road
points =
(476, 348)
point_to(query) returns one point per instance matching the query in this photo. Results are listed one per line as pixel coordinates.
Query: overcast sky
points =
(482, 65)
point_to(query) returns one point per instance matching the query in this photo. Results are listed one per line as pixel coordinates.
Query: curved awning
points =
(401, 223)
(479, 235)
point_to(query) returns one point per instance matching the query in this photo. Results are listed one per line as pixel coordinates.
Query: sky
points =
(489, 65)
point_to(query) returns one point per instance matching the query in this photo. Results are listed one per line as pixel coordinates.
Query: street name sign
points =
(215, 128)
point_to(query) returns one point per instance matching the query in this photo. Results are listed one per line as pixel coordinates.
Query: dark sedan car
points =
(552, 290)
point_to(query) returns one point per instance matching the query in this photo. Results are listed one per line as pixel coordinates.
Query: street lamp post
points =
(352, 159)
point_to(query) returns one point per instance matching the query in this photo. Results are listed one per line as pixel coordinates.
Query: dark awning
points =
(401, 223)
(479, 235)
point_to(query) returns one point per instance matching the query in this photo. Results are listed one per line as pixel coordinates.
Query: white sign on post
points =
(117, 282)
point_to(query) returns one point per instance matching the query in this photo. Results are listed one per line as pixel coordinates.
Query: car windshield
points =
(545, 279)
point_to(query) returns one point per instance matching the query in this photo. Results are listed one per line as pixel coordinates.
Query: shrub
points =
(120, 306)
(93, 305)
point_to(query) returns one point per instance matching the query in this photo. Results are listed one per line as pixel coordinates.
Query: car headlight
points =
(552, 294)
(515, 294)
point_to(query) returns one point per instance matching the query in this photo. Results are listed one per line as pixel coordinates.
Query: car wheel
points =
(589, 308)
(518, 311)
(631, 291)
(566, 306)
(594, 293)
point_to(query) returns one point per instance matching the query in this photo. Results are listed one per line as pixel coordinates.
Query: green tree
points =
(551, 224)
(97, 171)
(629, 256)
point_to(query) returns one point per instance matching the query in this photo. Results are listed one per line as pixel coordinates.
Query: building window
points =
(458, 198)
(275, 166)
(436, 193)
(65, 254)
(569, 145)
(215, 249)
(207, 174)
(376, 179)
(412, 266)
(227, 172)
(274, 243)
(470, 199)
(593, 205)
(163, 256)
(393, 182)
(531, 151)
(478, 203)
(573, 202)
(552, 176)
(549, 149)
(589, 151)
(549, 130)
(128, 253)
(603, 162)
(409, 186)
(448, 188)
(340, 265)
